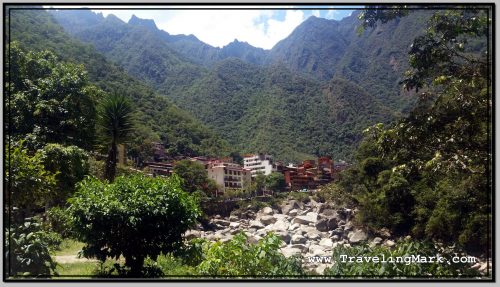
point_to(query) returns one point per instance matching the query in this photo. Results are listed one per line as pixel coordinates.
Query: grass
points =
(69, 247)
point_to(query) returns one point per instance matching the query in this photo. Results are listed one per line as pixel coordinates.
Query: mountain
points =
(311, 94)
(158, 117)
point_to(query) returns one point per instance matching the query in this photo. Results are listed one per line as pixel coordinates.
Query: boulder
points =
(190, 234)
(233, 218)
(302, 247)
(267, 211)
(310, 217)
(298, 239)
(234, 224)
(267, 219)
(326, 242)
(293, 212)
(384, 232)
(283, 235)
(221, 222)
(389, 243)
(326, 224)
(280, 225)
(256, 224)
(253, 239)
(290, 205)
(357, 236)
(288, 251)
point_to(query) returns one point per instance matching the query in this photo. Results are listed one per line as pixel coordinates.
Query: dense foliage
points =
(27, 253)
(194, 177)
(429, 173)
(404, 268)
(49, 101)
(69, 164)
(237, 258)
(29, 185)
(158, 118)
(133, 217)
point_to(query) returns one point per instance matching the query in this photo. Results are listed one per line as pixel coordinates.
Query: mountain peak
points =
(148, 23)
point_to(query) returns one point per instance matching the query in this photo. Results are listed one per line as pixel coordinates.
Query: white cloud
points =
(220, 27)
(332, 14)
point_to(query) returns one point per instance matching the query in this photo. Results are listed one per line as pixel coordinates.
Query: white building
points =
(259, 163)
(229, 175)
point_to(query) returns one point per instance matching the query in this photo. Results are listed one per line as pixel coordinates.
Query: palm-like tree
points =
(115, 123)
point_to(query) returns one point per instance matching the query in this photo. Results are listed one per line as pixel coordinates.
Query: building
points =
(160, 168)
(309, 175)
(259, 163)
(229, 175)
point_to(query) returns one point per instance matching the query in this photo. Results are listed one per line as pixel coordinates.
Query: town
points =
(228, 174)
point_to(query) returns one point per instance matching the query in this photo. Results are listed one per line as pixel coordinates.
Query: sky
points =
(260, 28)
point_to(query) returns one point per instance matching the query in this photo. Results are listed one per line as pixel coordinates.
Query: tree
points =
(275, 182)
(49, 101)
(134, 217)
(194, 176)
(440, 154)
(29, 184)
(115, 122)
(69, 163)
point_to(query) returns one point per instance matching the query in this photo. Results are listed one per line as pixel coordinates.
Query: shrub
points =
(238, 258)
(134, 217)
(400, 269)
(28, 250)
(59, 221)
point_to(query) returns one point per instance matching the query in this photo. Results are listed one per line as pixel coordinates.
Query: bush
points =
(333, 193)
(401, 269)
(59, 221)
(70, 164)
(134, 217)
(238, 258)
(28, 250)
(300, 196)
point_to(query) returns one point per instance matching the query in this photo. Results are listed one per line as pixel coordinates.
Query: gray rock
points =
(389, 243)
(267, 210)
(256, 224)
(283, 235)
(326, 242)
(384, 232)
(298, 239)
(221, 222)
(293, 212)
(280, 225)
(309, 218)
(234, 224)
(267, 219)
(290, 205)
(357, 236)
(302, 247)
(326, 224)
(253, 239)
(376, 241)
(335, 237)
(288, 251)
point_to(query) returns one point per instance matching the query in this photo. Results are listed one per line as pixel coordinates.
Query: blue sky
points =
(261, 28)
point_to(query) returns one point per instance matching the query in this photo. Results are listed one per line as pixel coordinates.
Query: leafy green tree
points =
(115, 123)
(238, 258)
(49, 101)
(438, 158)
(134, 217)
(69, 163)
(29, 184)
(194, 176)
(28, 251)
(275, 182)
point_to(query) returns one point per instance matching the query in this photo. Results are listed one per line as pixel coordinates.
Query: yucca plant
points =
(115, 123)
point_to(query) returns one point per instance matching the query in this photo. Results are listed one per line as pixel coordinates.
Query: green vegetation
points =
(194, 177)
(447, 269)
(155, 212)
(115, 124)
(28, 250)
(157, 117)
(427, 174)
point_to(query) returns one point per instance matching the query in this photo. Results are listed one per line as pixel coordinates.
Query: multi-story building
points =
(308, 175)
(229, 175)
(259, 163)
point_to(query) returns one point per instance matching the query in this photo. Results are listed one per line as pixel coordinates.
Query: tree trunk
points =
(110, 172)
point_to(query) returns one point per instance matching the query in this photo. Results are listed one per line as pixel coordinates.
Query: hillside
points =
(282, 100)
(158, 117)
